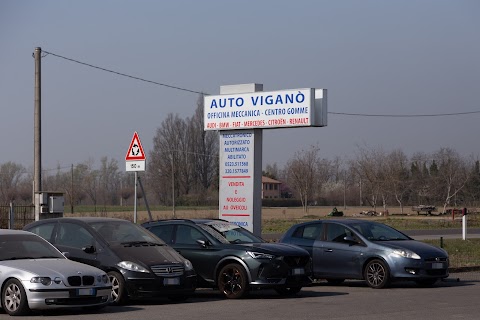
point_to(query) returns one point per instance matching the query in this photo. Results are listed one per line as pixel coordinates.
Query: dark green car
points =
(234, 260)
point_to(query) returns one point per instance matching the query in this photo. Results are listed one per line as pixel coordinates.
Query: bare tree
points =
(109, 180)
(453, 173)
(397, 180)
(166, 158)
(369, 165)
(302, 174)
(10, 174)
(204, 147)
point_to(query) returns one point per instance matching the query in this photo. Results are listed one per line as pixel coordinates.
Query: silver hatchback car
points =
(360, 249)
(35, 275)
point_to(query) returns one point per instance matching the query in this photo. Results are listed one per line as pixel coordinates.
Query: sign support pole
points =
(135, 199)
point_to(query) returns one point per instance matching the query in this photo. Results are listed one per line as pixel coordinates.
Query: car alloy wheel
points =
(232, 281)
(119, 294)
(377, 274)
(14, 298)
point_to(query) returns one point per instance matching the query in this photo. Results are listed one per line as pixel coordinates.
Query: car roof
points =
(194, 221)
(86, 220)
(341, 221)
(11, 232)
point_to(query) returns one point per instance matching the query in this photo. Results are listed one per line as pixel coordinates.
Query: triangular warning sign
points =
(135, 151)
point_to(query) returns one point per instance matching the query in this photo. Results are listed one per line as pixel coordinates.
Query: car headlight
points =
(406, 254)
(102, 278)
(46, 281)
(260, 255)
(132, 266)
(188, 265)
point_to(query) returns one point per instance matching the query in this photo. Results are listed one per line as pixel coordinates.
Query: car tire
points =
(377, 274)
(288, 291)
(426, 282)
(14, 298)
(232, 281)
(119, 291)
(335, 282)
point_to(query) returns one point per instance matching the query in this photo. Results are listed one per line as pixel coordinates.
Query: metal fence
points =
(16, 216)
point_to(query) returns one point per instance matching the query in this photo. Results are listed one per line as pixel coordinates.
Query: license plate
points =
(437, 265)
(86, 292)
(171, 281)
(298, 271)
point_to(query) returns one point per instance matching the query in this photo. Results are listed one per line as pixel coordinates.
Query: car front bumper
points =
(40, 299)
(150, 286)
(411, 269)
(281, 272)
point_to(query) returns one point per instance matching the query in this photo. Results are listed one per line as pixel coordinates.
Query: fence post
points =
(11, 217)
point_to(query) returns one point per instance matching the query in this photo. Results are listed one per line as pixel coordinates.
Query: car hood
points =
(420, 248)
(283, 249)
(148, 255)
(51, 267)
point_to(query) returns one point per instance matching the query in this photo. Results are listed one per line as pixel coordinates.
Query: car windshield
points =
(232, 233)
(124, 232)
(379, 232)
(26, 246)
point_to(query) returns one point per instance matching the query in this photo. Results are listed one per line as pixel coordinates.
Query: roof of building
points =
(269, 180)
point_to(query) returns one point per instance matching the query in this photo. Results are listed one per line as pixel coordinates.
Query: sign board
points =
(135, 157)
(275, 109)
(237, 177)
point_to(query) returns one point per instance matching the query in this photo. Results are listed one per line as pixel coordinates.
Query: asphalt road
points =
(455, 298)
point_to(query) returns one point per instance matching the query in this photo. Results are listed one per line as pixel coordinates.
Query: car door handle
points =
(328, 250)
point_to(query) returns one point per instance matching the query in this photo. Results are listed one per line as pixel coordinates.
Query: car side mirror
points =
(90, 249)
(203, 243)
(351, 240)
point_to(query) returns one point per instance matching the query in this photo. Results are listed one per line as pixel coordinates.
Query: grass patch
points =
(462, 253)
(282, 225)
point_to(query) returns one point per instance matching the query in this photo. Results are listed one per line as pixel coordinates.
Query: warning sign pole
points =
(135, 161)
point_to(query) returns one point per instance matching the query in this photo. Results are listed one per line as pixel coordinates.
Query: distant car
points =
(138, 263)
(34, 275)
(359, 249)
(233, 259)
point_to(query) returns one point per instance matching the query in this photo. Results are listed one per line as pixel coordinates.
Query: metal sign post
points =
(135, 161)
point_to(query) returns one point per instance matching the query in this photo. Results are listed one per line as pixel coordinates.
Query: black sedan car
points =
(360, 249)
(233, 259)
(138, 263)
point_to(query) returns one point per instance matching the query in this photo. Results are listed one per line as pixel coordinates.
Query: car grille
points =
(436, 259)
(167, 270)
(294, 262)
(77, 281)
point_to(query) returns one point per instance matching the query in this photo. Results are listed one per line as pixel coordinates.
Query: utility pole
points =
(37, 166)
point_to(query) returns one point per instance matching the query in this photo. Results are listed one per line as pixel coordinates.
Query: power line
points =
(404, 115)
(122, 74)
(203, 93)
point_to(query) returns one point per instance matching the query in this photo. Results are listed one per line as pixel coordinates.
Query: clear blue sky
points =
(374, 57)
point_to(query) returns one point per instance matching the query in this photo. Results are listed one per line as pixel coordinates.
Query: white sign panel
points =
(275, 109)
(236, 177)
(138, 165)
